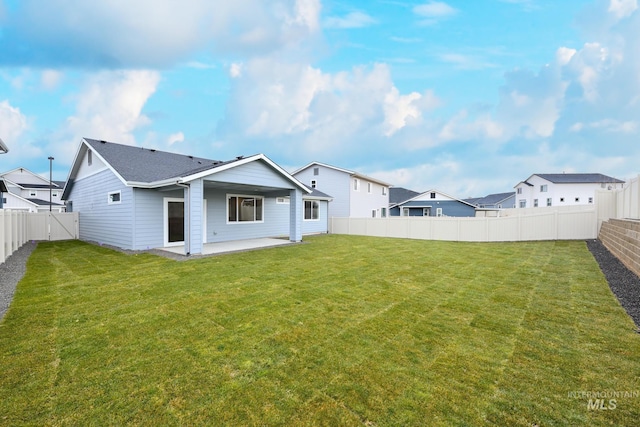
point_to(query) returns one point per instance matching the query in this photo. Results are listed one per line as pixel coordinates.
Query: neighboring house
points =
(433, 203)
(562, 189)
(354, 195)
(30, 192)
(494, 201)
(399, 194)
(137, 198)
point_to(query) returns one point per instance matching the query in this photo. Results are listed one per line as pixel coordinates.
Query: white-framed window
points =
(356, 184)
(523, 203)
(33, 193)
(314, 183)
(373, 213)
(438, 211)
(535, 203)
(383, 212)
(432, 195)
(369, 187)
(316, 171)
(405, 211)
(89, 157)
(590, 199)
(384, 190)
(519, 190)
(282, 200)
(543, 188)
(311, 210)
(548, 201)
(243, 208)
(426, 211)
(114, 198)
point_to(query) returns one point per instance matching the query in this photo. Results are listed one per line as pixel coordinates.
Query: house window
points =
(282, 200)
(369, 187)
(313, 183)
(577, 199)
(244, 208)
(384, 191)
(311, 210)
(535, 203)
(89, 157)
(33, 193)
(114, 198)
(590, 199)
(543, 188)
(433, 195)
(373, 213)
(439, 212)
(405, 211)
(383, 212)
(316, 171)
(523, 203)
(426, 212)
(549, 201)
(519, 190)
(356, 184)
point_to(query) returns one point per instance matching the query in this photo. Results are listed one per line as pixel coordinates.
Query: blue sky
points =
(467, 97)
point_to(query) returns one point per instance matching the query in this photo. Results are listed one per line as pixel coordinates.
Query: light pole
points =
(50, 179)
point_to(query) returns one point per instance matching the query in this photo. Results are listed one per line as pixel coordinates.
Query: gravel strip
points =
(624, 283)
(11, 271)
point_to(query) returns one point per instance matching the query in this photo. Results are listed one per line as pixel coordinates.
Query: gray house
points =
(495, 201)
(433, 203)
(137, 198)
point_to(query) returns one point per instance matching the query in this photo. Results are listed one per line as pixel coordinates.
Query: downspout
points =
(187, 218)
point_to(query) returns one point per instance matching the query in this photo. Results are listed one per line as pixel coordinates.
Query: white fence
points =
(18, 227)
(544, 224)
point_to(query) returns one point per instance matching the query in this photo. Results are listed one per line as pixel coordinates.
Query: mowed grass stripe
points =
(343, 330)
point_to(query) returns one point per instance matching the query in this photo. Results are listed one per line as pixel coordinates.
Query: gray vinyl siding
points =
(275, 219)
(449, 208)
(254, 173)
(335, 183)
(149, 217)
(99, 221)
(322, 224)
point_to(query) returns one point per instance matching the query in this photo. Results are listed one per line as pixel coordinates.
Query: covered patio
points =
(231, 246)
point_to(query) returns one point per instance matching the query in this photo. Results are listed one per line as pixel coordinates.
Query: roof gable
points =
(346, 171)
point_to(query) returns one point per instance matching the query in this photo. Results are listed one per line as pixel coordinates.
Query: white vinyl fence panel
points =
(18, 227)
(544, 224)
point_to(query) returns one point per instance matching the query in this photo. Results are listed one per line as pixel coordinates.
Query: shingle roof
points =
(315, 193)
(43, 202)
(400, 194)
(491, 199)
(137, 164)
(578, 178)
(55, 186)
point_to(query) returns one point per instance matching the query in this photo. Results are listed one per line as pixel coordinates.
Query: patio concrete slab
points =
(234, 246)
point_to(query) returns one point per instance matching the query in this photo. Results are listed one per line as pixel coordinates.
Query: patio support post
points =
(195, 202)
(295, 212)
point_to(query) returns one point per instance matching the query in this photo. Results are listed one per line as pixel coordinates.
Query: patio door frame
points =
(165, 220)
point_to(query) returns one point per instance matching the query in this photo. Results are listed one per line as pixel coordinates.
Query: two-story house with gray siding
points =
(138, 198)
(354, 195)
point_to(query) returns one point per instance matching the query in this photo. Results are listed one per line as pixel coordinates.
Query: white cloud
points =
(235, 70)
(150, 33)
(175, 137)
(434, 11)
(109, 106)
(12, 123)
(50, 79)
(355, 19)
(622, 8)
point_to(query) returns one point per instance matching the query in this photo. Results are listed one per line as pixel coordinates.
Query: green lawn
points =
(342, 330)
